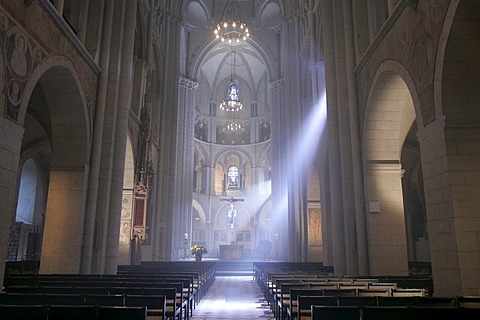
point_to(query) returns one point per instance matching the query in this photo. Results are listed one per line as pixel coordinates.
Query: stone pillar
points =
(59, 6)
(360, 256)
(334, 143)
(121, 134)
(372, 19)
(391, 4)
(279, 213)
(62, 238)
(184, 159)
(97, 142)
(451, 163)
(83, 20)
(386, 219)
(12, 133)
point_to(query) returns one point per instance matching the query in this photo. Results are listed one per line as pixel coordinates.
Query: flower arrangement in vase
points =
(198, 250)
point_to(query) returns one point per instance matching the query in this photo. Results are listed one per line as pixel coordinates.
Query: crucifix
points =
(232, 211)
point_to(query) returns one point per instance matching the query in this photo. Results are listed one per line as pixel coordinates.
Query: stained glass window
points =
(233, 177)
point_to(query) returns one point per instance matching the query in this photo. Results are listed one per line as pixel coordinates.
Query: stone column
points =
(184, 159)
(372, 19)
(59, 6)
(121, 134)
(451, 166)
(334, 143)
(386, 219)
(278, 216)
(83, 21)
(12, 134)
(97, 142)
(360, 239)
(391, 4)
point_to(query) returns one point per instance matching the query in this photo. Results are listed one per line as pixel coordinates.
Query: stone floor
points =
(232, 297)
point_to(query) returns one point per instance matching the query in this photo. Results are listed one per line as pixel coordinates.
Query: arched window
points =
(233, 177)
(27, 193)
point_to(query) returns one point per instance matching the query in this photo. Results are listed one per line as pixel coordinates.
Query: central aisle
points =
(234, 297)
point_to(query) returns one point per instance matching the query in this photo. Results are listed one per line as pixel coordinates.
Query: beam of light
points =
(261, 194)
(309, 139)
(306, 145)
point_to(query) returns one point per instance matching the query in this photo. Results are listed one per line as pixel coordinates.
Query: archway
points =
(389, 116)
(452, 140)
(55, 101)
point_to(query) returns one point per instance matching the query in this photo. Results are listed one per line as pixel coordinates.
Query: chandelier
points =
(234, 126)
(232, 103)
(231, 26)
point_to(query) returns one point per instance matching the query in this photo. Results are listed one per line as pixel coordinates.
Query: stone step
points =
(233, 268)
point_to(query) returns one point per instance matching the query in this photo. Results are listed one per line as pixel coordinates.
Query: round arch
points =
(68, 121)
(389, 115)
(57, 74)
(453, 140)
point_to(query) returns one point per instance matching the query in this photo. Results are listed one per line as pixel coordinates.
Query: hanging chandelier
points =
(234, 126)
(232, 103)
(231, 27)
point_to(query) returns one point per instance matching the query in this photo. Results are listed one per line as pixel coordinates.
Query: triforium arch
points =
(389, 116)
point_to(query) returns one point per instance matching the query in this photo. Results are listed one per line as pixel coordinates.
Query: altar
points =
(231, 252)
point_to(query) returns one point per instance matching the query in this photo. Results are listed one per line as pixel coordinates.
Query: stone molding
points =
(384, 167)
(276, 84)
(187, 83)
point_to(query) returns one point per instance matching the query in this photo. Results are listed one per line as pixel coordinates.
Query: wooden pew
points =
(64, 299)
(395, 301)
(335, 313)
(173, 308)
(357, 301)
(305, 304)
(22, 299)
(114, 300)
(72, 312)
(156, 304)
(400, 292)
(435, 301)
(121, 313)
(390, 313)
(24, 312)
(385, 292)
(468, 301)
(292, 311)
(283, 300)
(437, 313)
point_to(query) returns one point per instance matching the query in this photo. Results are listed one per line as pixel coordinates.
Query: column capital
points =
(276, 84)
(187, 83)
(384, 166)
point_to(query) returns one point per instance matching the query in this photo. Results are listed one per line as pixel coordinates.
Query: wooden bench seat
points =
(173, 307)
(292, 311)
(156, 304)
(121, 313)
(305, 304)
(335, 313)
(390, 313)
(74, 312)
(23, 312)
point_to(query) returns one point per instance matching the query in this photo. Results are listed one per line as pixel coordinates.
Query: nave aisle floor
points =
(236, 297)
